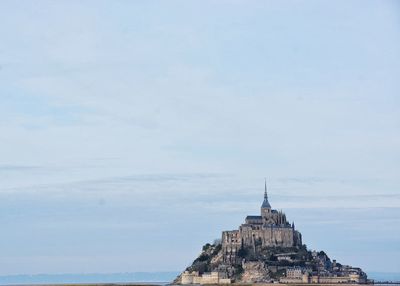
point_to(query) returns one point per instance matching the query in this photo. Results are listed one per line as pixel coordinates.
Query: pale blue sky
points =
(133, 132)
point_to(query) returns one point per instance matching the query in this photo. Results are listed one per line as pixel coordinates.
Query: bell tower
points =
(265, 207)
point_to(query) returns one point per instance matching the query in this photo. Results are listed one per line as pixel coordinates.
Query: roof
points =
(266, 204)
(253, 217)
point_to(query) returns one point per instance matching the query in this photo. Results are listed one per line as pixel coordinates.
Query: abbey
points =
(266, 248)
(269, 229)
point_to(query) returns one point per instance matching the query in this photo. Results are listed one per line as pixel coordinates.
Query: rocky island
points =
(266, 248)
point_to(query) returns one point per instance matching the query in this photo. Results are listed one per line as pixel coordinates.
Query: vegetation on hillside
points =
(210, 259)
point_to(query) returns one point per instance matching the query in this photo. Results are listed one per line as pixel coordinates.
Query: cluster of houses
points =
(338, 274)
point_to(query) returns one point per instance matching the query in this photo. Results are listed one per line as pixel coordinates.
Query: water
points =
(384, 276)
(154, 278)
(159, 278)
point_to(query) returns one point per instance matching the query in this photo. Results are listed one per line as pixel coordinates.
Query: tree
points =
(217, 241)
(243, 252)
(205, 247)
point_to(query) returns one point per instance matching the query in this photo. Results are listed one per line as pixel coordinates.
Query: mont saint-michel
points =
(266, 248)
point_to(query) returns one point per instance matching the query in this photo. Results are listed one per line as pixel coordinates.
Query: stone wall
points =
(284, 236)
(271, 236)
(207, 278)
(231, 243)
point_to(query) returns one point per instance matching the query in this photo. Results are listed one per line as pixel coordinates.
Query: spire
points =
(265, 189)
(265, 203)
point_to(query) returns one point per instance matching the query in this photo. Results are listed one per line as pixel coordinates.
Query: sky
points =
(134, 132)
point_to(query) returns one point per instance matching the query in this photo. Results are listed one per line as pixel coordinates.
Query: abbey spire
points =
(265, 189)
(265, 203)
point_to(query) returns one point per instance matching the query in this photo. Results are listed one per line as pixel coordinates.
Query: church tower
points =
(265, 207)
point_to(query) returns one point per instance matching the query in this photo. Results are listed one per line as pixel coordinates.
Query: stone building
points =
(194, 277)
(296, 275)
(269, 229)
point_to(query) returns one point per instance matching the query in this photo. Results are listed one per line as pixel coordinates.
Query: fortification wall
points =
(231, 243)
(205, 279)
(274, 236)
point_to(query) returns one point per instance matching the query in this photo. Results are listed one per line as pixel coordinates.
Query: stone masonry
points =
(270, 229)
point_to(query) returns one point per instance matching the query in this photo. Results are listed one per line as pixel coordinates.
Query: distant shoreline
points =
(92, 284)
(92, 279)
(165, 283)
(134, 279)
(168, 283)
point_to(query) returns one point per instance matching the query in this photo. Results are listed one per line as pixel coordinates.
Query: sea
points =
(153, 278)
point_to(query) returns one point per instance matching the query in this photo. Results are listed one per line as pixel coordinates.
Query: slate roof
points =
(265, 204)
(253, 217)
